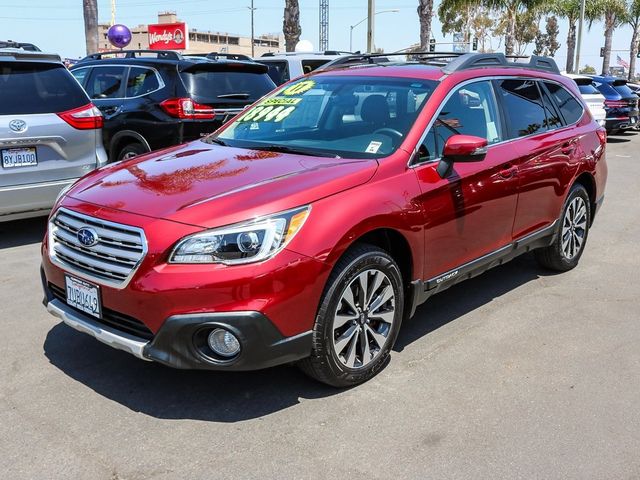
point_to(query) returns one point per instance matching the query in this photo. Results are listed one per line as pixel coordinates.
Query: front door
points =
(470, 213)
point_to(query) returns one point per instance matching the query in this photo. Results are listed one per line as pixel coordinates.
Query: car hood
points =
(210, 185)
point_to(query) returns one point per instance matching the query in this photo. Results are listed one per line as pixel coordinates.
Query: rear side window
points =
(106, 82)
(278, 71)
(141, 81)
(569, 107)
(38, 88)
(219, 86)
(309, 66)
(523, 106)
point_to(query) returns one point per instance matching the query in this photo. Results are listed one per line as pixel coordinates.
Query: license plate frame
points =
(83, 296)
(9, 163)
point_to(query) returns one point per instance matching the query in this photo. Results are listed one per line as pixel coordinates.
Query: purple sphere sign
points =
(119, 36)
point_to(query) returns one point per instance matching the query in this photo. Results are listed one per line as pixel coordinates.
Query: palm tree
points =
(613, 14)
(425, 13)
(633, 18)
(90, 11)
(570, 10)
(291, 24)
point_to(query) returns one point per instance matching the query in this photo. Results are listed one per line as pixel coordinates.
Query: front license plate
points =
(19, 157)
(84, 296)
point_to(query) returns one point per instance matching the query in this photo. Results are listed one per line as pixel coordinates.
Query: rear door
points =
(36, 144)
(106, 85)
(545, 144)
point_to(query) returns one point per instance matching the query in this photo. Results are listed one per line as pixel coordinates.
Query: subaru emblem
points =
(18, 126)
(87, 237)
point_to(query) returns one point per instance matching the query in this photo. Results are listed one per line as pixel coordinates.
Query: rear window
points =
(278, 71)
(216, 86)
(623, 90)
(588, 89)
(27, 88)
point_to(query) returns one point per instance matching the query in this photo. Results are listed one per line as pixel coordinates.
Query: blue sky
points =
(56, 25)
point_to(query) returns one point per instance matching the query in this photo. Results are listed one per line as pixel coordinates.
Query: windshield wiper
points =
(234, 95)
(216, 140)
(294, 150)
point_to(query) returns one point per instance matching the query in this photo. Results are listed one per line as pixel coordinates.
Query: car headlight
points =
(246, 242)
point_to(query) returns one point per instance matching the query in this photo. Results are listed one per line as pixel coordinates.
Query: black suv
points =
(154, 99)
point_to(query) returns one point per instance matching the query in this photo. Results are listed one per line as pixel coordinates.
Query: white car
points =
(286, 66)
(592, 97)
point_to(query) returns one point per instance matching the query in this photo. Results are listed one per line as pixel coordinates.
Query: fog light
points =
(223, 343)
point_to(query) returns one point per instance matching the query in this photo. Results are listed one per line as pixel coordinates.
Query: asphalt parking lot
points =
(518, 373)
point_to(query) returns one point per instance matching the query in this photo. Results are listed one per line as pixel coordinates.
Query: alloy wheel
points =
(574, 228)
(363, 319)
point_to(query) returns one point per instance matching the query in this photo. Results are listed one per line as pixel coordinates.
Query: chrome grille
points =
(111, 261)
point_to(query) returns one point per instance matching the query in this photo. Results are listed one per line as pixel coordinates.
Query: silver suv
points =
(50, 132)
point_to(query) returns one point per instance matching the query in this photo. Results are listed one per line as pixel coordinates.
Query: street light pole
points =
(351, 27)
(576, 67)
(371, 25)
(253, 52)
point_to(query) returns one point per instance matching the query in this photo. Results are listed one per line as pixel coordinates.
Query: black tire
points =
(324, 364)
(553, 257)
(131, 150)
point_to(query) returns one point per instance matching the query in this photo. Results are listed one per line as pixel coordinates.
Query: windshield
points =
(346, 116)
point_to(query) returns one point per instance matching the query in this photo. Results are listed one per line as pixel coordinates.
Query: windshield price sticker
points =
(281, 101)
(299, 88)
(267, 113)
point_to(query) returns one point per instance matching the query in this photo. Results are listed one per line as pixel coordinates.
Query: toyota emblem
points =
(18, 126)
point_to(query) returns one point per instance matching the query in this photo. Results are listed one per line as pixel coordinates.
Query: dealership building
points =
(198, 41)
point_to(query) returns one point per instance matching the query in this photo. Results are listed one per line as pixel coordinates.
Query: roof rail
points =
(326, 52)
(160, 54)
(12, 54)
(229, 56)
(450, 61)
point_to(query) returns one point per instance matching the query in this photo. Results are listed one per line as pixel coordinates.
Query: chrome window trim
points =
(128, 68)
(119, 285)
(412, 164)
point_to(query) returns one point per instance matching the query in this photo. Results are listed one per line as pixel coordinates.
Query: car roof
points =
(20, 55)
(182, 62)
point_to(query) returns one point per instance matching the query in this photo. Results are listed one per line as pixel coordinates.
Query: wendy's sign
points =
(168, 36)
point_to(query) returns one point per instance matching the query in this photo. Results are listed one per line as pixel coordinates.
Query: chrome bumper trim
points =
(84, 324)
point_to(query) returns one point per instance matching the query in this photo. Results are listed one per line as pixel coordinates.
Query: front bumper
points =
(176, 343)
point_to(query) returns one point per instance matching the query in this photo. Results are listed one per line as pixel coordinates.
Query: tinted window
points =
(588, 89)
(569, 107)
(623, 90)
(309, 66)
(80, 74)
(523, 107)
(211, 87)
(141, 81)
(471, 110)
(38, 88)
(278, 71)
(105, 82)
(553, 117)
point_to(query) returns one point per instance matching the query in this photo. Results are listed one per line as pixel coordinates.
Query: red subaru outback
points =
(309, 227)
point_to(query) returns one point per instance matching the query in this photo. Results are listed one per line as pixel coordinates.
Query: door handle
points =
(569, 147)
(508, 171)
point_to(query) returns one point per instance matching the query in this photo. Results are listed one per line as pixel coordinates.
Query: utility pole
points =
(576, 67)
(253, 51)
(324, 25)
(113, 12)
(371, 26)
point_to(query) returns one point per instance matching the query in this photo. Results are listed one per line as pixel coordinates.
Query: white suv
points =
(286, 66)
(592, 97)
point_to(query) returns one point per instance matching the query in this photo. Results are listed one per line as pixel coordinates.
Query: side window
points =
(523, 105)
(569, 107)
(80, 74)
(309, 66)
(106, 82)
(141, 81)
(278, 71)
(553, 117)
(471, 110)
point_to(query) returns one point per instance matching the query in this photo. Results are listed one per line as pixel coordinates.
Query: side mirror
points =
(461, 148)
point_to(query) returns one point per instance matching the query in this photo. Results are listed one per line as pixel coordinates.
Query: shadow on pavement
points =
(22, 232)
(163, 392)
